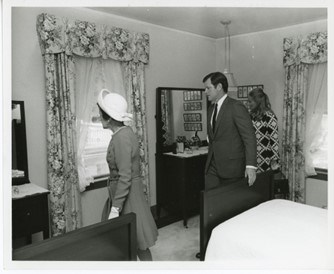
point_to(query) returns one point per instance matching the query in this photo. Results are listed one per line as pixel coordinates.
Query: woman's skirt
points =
(147, 231)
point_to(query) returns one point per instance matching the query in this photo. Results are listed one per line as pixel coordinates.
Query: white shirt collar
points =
(220, 102)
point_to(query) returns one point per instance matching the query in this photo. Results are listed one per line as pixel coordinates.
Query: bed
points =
(111, 240)
(220, 204)
(250, 229)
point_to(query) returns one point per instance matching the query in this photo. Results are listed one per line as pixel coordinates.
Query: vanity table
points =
(179, 176)
(30, 211)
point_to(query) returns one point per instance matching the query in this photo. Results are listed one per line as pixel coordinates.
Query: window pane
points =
(96, 150)
(319, 146)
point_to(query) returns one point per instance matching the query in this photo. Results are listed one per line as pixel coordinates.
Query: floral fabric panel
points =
(135, 90)
(61, 148)
(293, 138)
(90, 40)
(309, 50)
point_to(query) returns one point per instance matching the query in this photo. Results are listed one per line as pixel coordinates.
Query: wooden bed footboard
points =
(222, 203)
(111, 240)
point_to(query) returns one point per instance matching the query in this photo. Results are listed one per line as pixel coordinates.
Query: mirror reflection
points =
(183, 115)
(19, 145)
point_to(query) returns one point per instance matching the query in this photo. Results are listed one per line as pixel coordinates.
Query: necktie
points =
(214, 118)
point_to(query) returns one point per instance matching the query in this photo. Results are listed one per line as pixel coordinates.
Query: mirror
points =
(181, 120)
(19, 145)
(180, 112)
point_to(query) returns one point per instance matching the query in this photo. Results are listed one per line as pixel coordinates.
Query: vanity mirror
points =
(180, 112)
(19, 145)
(181, 150)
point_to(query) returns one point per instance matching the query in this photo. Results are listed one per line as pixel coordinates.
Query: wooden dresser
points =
(180, 183)
(30, 211)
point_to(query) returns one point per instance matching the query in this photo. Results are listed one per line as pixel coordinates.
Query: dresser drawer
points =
(30, 215)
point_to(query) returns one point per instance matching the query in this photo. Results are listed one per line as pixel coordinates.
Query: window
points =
(94, 155)
(316, 138)
(319, 145)
(93, 74)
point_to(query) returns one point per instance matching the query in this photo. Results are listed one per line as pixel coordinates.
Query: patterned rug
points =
(177, 243)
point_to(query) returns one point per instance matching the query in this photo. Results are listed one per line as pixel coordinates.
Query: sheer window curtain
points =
(316, 106)
(92, 74)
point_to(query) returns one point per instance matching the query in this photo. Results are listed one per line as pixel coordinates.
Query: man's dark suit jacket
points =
(233, 144)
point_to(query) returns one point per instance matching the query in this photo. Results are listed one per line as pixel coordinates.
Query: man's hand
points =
(251, 174)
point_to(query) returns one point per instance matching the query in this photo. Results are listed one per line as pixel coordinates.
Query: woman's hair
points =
(262, 101)
(105, 116)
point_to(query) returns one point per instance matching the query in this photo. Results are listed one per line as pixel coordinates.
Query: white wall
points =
(316, 192)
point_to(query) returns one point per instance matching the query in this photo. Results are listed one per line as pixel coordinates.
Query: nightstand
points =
(30, 211)
(281, 188)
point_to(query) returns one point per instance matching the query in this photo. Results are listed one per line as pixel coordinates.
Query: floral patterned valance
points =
(311, 49)
(89, 40)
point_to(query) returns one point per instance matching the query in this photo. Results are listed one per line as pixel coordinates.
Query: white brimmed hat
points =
(114, 105)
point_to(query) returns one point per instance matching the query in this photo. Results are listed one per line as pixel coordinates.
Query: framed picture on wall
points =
(198, 95)
(192, 117)
(193, 126)
(240, 94)
(192, 95)
(192, 106)
(243, 91)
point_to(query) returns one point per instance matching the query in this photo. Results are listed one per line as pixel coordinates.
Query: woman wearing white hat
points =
(125, 186)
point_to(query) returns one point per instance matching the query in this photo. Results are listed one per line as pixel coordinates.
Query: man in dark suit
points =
(231, 136)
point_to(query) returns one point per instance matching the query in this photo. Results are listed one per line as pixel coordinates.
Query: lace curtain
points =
(299, 53)
(92, 74)
(64, 37)
(316, 107)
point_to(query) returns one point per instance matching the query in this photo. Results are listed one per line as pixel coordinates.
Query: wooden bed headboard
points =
(111, 240)
(222, 203)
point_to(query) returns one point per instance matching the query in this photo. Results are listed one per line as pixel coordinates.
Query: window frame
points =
(99, 182)
(322, 174)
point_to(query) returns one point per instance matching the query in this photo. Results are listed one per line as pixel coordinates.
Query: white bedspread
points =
(274, 234)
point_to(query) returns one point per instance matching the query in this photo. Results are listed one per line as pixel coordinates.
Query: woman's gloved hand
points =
(114, 213)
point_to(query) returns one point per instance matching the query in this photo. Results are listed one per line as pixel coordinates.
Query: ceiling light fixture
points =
(229, 75)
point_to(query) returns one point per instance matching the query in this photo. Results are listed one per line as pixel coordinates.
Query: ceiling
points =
(205, 21)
